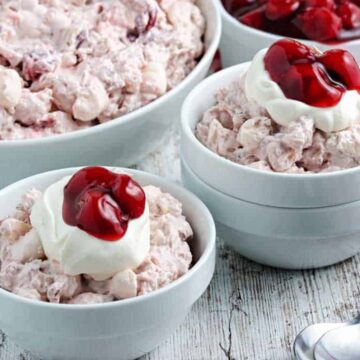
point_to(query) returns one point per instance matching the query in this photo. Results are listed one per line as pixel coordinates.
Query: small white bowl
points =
(121, 330)
(244, 183)
(239, 43)
(281, 237)
(122, 141)
(292, 221)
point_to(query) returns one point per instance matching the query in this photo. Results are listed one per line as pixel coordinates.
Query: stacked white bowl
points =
(285, 220)
(240, 43)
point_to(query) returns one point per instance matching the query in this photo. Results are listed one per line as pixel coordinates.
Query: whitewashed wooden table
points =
(250, 312)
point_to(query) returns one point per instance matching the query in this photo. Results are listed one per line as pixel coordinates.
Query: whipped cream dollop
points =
(76, 250)
(260, 88)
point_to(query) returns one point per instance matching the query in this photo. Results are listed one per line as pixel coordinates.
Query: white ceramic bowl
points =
(285, 220)
(122, 141)
(240, 43)
(281, 237)
(266, 188)
(119, 330)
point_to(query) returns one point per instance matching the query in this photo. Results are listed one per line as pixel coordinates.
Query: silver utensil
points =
(339, 344)
(306, 340)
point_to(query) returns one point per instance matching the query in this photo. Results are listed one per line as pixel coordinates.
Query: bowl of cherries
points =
(250, 25)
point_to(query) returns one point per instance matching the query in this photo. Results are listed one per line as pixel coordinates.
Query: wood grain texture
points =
(249, 312)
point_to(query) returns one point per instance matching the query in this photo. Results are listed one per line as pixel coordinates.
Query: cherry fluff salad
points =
(66, 65)
(295, 110)
(93, 237)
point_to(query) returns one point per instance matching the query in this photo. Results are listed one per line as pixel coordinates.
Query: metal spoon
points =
(339, 344)
(305, 342)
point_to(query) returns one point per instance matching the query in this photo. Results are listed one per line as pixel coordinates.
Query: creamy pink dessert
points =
(107, 244)
(70, 64)
(294, 110)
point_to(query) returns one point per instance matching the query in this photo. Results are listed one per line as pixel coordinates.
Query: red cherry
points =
(284, 53)
(309, 84)
(349, 14)
(329, 4)
(356, 2)
(319, 24)
(280, 9)
(102, 203)
(240, 7)
(130, 195)
(311, 77)
(254, 18)
(100, 216)
(238, 3)
(342, 67)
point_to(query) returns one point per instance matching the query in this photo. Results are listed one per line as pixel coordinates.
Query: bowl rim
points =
(203, 259)
(138, 113)
(226, 196)
(272, 37)
(187, 117)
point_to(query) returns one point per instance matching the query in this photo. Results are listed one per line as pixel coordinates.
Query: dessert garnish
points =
(305, 74)
(319, 20)
(102, 203)
(291, 79)
(95, 222)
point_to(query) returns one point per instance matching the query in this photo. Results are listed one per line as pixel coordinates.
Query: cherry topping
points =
(342, 68)
(308, 76)
(319, 23)
(349, 14)
(254, 18)
(242, 5)
(309, 84)
(102, 203)
(330, 4)
(285, 53)
(319, 20)
(279, 9)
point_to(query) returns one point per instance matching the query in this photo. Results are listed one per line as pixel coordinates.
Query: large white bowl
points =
(122, 141)
(244, 183)
(119, 330)
(281, 237)
(240, 43)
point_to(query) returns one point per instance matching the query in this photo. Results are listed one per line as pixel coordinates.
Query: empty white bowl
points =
(240, 43)
(285, 220)
(122, 141)
(281, 237)
(121, 330)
